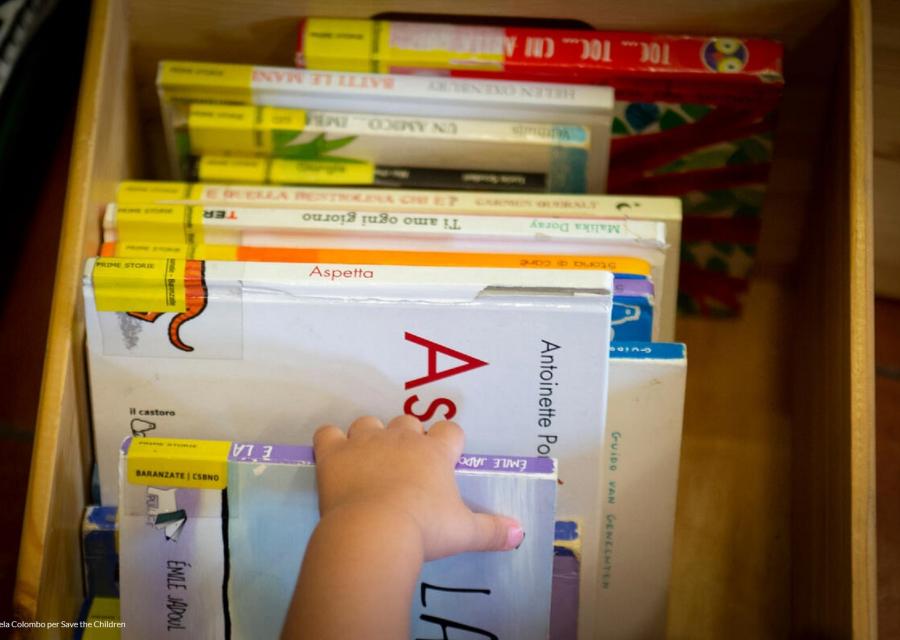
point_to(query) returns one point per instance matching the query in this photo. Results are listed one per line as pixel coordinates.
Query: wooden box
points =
(775, 525)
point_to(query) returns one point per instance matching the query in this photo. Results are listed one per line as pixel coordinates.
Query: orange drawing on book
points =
(194, 297)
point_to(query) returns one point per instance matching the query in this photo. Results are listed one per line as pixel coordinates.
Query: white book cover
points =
(642, 454)
(408, 95)
(212, 535)
(269, 351)
(637, 208)
(557, 150)
(323, 229)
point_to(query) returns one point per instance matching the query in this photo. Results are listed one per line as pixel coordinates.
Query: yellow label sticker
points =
(381, 45)
(160, 223)
(225, 169)
(192, 464)
(320, 172)
(133, 284)
(239, 129)
(149, 192)
(179, 251)
(225, 128)
(339, 45)
(278, 119)
(205, 81)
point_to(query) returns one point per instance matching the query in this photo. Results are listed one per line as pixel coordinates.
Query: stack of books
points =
(414, 221)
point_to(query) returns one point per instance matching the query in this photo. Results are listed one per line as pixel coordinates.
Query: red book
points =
(641, 66)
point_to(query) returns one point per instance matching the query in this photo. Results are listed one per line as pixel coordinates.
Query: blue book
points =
(212, 535)
(98, 552)
(632, 315)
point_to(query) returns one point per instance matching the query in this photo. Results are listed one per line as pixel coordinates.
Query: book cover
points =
(666, 210)
(213, 534)
(566, 576)
(100, 560)
(557, 150)
(694, 116)
(403, 95)
(390, 238)
(632, 317)
(344, 172)
(270, 351)
(642, 454)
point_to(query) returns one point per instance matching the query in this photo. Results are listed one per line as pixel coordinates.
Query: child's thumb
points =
(496, 533)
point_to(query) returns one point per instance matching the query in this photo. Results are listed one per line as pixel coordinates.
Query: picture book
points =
(270, 351)
(213, 534)
(100, 560)
(641, 459)
(229, 169)
(180, 82)
(558, 151)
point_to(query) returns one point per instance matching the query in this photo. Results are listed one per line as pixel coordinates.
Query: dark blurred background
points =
(41, 51)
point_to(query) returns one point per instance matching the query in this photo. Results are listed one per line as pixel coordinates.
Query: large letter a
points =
(433, 349)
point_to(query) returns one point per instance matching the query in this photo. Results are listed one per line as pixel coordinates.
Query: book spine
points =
(278, 132)
(602, 57)
(190, 224)
(173, 285)
(455, 179)
(621, 266)
(284, 171)
(400, 201)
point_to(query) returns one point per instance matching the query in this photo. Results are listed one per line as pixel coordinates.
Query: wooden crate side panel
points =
(48, 579)
(863, 554)
(832, 546)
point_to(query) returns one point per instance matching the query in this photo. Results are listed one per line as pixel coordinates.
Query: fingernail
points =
(515, 537)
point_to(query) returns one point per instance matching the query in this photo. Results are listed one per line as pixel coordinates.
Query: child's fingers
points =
(495, 533)
(326, 438)
(451, 434)
(361, 425)
(406, 422)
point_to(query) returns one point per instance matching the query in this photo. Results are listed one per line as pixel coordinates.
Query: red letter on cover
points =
(433, 350)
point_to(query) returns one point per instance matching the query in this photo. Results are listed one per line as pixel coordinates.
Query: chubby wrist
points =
(369, 524)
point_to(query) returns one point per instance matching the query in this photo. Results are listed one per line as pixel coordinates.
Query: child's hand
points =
(408, 473)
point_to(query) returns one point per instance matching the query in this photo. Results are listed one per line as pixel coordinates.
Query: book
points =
(99, 619)
(566, 576)
(594, 57)
(632, 309)
(584, 241)
(282, 171)
(213, 534)
(557, 150)
(256, 226)
(270, 351)
(632, 316)
(181, 82)
(623, 266)
(642, 453)
(694, 115)
(100, 560)
(666, 210)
